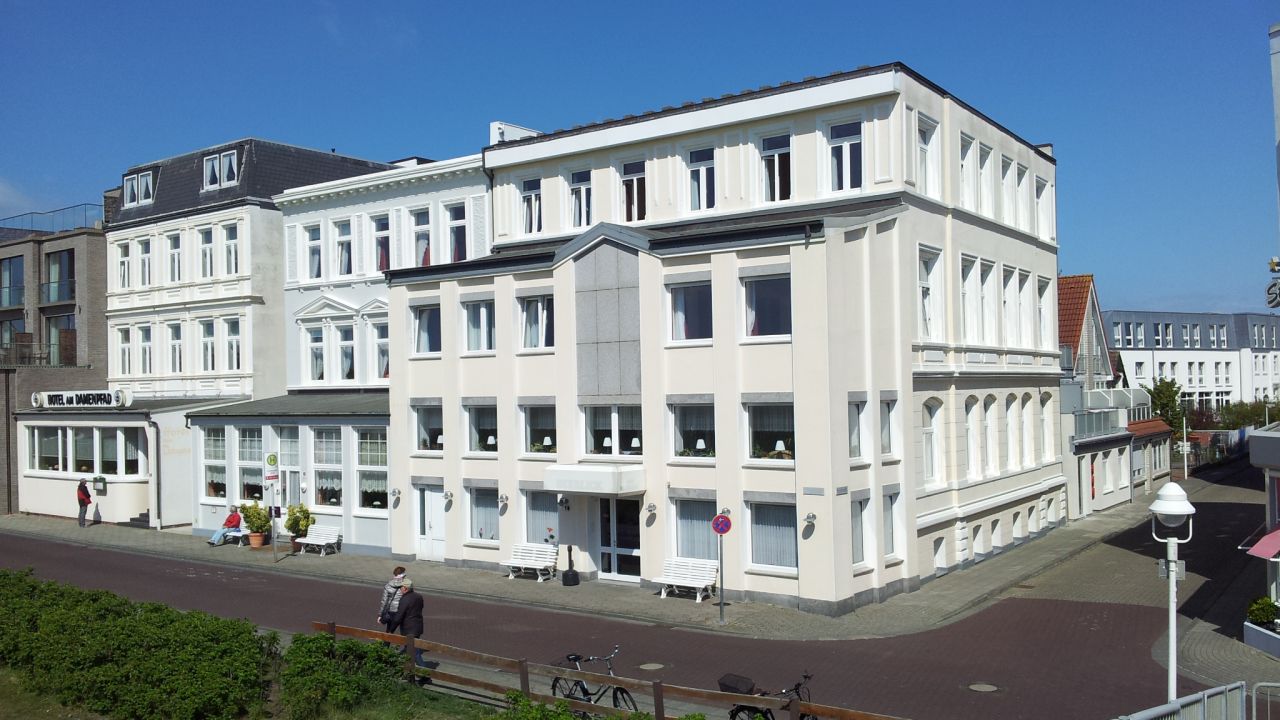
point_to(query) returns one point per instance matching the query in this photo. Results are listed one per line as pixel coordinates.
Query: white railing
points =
(1227, 702)
(1117, 398)
(1099, 423)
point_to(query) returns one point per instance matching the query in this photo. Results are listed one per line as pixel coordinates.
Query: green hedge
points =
(131, 660)
(320, 672)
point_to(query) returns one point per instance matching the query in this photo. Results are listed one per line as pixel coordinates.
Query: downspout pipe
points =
(154, 459)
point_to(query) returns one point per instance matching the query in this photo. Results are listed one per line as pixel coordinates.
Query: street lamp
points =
(1172, 509)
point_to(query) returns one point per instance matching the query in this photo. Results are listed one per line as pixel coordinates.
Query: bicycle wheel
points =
(748, 712)
(622, 699)
(561, 687)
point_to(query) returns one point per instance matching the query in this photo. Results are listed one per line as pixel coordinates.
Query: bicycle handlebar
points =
(610, 656)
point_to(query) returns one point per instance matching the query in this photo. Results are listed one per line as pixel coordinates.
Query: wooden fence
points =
(657, 692)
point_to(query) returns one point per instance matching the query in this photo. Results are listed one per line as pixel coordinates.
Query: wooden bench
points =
(686, 573)
(321, 537)
(535, 557)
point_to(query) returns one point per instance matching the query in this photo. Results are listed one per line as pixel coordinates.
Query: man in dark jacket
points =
(82, 497)
(409, 616)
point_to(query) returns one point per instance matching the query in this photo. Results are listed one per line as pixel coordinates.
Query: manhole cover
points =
(983, 687)
(651, 666)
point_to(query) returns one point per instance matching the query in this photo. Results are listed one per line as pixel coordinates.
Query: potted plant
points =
(297, 522)
(258, 521)
(1260, 627)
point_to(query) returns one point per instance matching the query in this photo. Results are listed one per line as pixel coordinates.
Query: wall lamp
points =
(563, 502)
(503, 498)
(810, 519)
(448, 495)
(724, 511)
(651, 508)
(395, 492)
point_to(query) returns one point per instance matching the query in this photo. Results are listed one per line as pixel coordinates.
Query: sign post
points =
(273, 482)
(721, 525)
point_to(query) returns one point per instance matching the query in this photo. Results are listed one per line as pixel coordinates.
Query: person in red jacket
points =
(231, 523)
(82, 496)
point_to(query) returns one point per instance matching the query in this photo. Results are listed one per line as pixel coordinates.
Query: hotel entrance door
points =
(618, 524)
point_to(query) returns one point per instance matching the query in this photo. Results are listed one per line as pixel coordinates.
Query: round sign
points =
(721, 524)
(271, 459)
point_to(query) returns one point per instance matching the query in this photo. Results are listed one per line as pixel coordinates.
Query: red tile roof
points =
(1154, 426)
(1073, 300)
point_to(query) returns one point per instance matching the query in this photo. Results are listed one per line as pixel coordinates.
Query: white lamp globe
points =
(1171, 507)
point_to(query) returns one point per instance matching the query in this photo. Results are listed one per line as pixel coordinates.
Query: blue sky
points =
(1159, 112)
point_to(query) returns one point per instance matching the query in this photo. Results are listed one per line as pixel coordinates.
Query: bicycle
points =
(578, 690)
(796, 693)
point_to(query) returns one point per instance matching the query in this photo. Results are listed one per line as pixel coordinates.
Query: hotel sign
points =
(76, 399)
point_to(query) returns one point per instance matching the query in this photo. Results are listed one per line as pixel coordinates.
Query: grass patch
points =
(405, 702)
(17, 702)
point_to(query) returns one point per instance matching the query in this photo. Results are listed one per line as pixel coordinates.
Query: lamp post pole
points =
(1186, 447)
(1172, 509)
(1171, 553)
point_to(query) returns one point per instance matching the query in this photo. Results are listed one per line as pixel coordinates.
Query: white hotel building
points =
(329, 430)
(827, 307)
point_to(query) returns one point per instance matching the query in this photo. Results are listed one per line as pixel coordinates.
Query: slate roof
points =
(309, 404)
(1074, 292)
(266, 169)
(1154, 426)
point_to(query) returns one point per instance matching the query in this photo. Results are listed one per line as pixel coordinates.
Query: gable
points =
(324, 307)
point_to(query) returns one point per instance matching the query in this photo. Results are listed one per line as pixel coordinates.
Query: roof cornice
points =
(398, 177)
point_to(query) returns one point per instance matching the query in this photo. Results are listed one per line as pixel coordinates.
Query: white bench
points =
(534, 557)
(239, 536)
(696, 575)
(321, 537)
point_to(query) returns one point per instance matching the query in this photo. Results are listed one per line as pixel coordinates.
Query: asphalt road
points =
(1048, 658)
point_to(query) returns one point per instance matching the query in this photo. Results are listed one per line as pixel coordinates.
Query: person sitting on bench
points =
(231, 523)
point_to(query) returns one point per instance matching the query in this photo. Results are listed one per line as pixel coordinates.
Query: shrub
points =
(321, 672)
(1263, 611)
(298, 520)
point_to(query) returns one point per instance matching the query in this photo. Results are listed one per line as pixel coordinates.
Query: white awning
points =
(594, 479)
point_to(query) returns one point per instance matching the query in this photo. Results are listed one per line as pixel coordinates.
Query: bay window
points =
(371, 468)
(327, 457)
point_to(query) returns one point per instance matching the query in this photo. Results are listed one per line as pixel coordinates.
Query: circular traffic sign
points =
(721, 524)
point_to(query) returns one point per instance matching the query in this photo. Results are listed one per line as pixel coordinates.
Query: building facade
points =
(826, 309)
(329, 432)
(194, 312)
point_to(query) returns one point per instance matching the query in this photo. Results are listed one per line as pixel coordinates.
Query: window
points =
(1117, 334)
(1222, 336)
(249, 450)
(371, 468)
(539, 322)
(856, 441)
(232, 328)
(1011, 431)
(540, 429)
(773, 535)
(776, 154)
(930, 325)
(1048, 444)
(1168, 335)
(382, 243)
(931, 443)
(484, 514)
(342, 243)
(702, 179)
(992, 440)
(1049, 334)
(144, 350)
(327, 458)
(346, 351)
(430, 428)
(768, 306)
(1010, 299)
(175, 348)
(221, 170)
(927, 180)
(1028, 432)
(1024, 200)
(231, 249)
(315, 347)
(1139, 370)
(613, 430)
(1195, 336)
(1043, 217)
(427, 319)
(973, 437)
(987, 302)
(986, 182)
(457, 216)
(381, 351)
(890, 510)
(1008, 194)
(207, 346)
(315, 265)
(175, 258)
(1128, 334)
(846, 156)
(289, 452)
(694, 537)
(633, 191)
(1141, 334)
(122, 272)
(144, 263)
(580, 198)
(771, 429)
(970, 300)
(422, 237)
(887, 441)
(206, 253)
(858, 527)
(146, 188)
(130, 190)
(968, 174)
(1186, 335)
(480, 330)
(531, 205)
(215, 451)
(691, 312)
(124, 345)
(482, 428)
(542, 518)
(695, 427)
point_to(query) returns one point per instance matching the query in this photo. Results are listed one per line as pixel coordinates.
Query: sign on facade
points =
(1273, 294)
(82, 399)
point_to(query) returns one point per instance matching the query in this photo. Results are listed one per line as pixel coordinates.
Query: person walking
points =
(83, 497)
(409, 616)
(390, 599)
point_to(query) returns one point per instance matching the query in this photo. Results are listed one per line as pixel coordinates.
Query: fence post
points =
(659, 712)
(409, 664)
(333, 630)
(524, 677)
(794, 707)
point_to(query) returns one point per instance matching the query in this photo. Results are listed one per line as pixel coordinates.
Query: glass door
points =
(619, 533)
(431, 522)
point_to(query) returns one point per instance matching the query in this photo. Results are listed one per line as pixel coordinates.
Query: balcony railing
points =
(1116, 398)
(1099, 423)
(44, 354)
(11, 295)
(58, 291)
(86, 215)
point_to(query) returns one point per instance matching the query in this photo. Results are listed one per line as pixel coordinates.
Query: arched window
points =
(973, 436)
(992, 445)
(931, 440)
(1012, 429)
(1048, 443)
(1028, 432)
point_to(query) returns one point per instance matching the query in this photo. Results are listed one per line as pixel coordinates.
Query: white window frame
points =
(340, 239)
(579, 209)
(175, 256)
(702, 179)
(419, 315)
(421, 220)
(932, 454)
(968, 173)
(123, 263)
(380, 231)
(929, 316)
(928, 172)
(614, 443)
(129, 196)
(422, 426)
(748, 311)
(704, 449)
(530, 206)
(232, 328)
(372, 469)
(889, 524)
(539, 309)
(313, 245)
(857, 428)
(314, 339)
(323, 462)
(145, 357)
(677, 304)
(784, 570)
(144, 262)
(124, 349)
(456, 229)
(343, 346)
(858, 528)
(207, 269)
(485, 448)
(986, 181)
(487, 334)
(772, 174)
(890, 440)
(379, 348)
(637, 184)
(220, 162)
(531, 439)
(146, 188)
(840, 153)
(175, 348)
(208, 345)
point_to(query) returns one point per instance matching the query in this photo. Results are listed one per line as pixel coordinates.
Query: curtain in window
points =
(694, 536)
(423, 242)
(886, 427)
(857, 508)
(692, 313)
(314, 261)
(543, 518)
(317, 363)
(328, 447)
(698, 418)
(773, 535)
(887, 523)
(328, 487)
(132, 444)
(215, 444)
(215, 481)
(107, 452)
(384, 253)
(600, 430)
(484, 514)
(473, 326)
(83, 445)
(772, 418)
(373, 489)
(373, 448)
(532, 322)
(47, 440)
(629, 417)
(344, 257)
(288, 446)
(348, 363)
(629, 431)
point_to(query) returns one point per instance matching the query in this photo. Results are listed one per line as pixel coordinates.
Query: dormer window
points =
(138, 189)
(131, 191)
(145, 188)
(221, 171)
